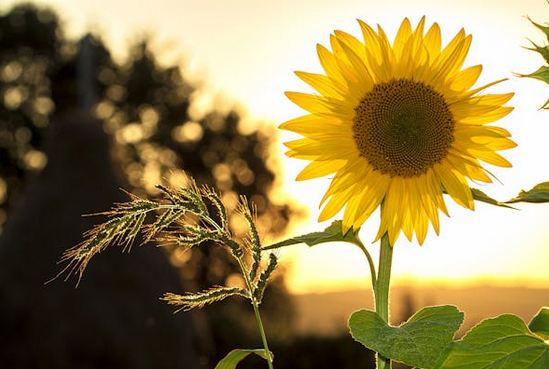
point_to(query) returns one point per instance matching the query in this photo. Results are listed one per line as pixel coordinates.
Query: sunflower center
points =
(403, 128)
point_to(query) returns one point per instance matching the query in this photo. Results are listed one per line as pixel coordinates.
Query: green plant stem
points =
(255, 305)
(370, 262)
(382, 290)
(262, 333)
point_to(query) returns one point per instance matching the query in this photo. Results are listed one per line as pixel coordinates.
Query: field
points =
(326, 313)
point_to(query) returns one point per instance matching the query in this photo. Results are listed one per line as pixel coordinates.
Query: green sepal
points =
(503, 342)
(542, 74)
(543, 50)
(544, 29)
(540, 323)
(236, 356)
(419, 342)
(538, 194)
(333, 233)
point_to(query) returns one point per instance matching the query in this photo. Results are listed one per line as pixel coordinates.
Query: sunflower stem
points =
(381, 290)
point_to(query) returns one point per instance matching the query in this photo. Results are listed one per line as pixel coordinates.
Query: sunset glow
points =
(246, 51)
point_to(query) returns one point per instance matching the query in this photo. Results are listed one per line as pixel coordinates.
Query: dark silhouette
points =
(66, 109)
(112, 320)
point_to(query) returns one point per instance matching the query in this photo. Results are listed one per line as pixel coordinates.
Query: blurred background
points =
(96, 96)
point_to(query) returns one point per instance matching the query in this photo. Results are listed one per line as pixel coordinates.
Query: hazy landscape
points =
(327, 313)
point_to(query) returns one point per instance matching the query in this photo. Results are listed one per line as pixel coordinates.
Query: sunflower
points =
(397, 125)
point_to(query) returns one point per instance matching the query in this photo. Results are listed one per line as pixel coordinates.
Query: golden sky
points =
(248, 50)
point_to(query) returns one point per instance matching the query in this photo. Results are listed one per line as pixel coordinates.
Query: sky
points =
(245, 52)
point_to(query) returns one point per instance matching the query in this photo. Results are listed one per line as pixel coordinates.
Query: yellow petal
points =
(329, 64)
(310, 146)
(450, 60)
(492, 99)
(403, 34)
(473, 171)
(432, 40)
(349, 40)
(489, 117)
(372, 197)
(322, 105)
(317, 169)
(336, 203)
(371, 41)
(323, 84)
(456, 186)
(466, 78)
(310, 124)
(491, 158)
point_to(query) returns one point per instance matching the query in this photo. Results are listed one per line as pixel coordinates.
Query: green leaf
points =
(481, 196)
(235, 356)
(539, 193)
(540, 324)
(419, 342)
(503, 342)
(331, 234)
(542, 74)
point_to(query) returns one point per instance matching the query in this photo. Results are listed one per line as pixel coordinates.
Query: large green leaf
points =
(540, 323)
(331, 234)
(418, 342)
(539, 193)
(499, 343)
(235, 356)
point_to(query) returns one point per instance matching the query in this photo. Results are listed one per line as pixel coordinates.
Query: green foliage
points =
(538, 194)
(544, 51)
(332, 233)
(540, 323)
(425, 340)
(236, 356)
(542, 28)
(483, 197)
(543, 72)
(499, 343)
(418, 342)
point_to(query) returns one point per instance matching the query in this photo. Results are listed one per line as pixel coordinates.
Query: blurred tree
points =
(147, 109)
(29, 50)
(144, 108)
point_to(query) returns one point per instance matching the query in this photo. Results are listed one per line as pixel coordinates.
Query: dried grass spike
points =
(200, 299)
(214, 198)
(264, 278)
